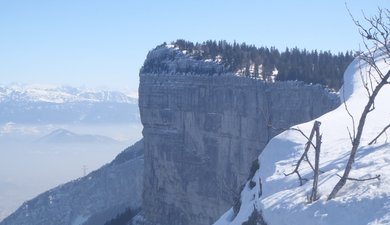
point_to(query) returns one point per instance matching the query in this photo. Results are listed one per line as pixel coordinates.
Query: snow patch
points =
(80, 220)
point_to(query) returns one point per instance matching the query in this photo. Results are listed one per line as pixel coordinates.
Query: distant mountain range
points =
(65, 104)
(62, 136)
(60, 94)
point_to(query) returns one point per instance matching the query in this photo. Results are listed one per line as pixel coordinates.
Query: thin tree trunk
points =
(356, 140)
(313, 196)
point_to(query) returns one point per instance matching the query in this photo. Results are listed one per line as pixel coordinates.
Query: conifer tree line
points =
(319, 67)
(124, 217)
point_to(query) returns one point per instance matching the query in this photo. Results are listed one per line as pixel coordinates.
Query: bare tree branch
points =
(304, 155)
(309, 139)
(378, 177)
(380, 134)
(352, 118)
(308, 161)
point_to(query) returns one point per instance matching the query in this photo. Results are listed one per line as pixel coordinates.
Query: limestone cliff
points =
(203, 127)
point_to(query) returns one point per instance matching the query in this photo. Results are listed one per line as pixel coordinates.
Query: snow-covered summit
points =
(65, 104)
(282, 200)
(60, 94)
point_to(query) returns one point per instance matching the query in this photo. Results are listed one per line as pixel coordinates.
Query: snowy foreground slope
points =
(283, 201)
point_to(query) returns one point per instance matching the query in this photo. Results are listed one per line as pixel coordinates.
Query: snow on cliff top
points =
(284, 201)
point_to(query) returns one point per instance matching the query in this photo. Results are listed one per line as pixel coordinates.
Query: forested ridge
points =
(270, 64)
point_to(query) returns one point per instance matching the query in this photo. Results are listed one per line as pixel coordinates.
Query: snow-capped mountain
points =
(65, 104)
(60, 94)
(280, 199)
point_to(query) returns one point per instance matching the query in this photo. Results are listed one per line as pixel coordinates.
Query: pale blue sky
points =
(101, 43)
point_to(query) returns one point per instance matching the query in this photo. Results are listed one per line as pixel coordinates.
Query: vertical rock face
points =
(201, 134)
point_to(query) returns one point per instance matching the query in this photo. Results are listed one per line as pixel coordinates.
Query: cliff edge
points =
(203, 127)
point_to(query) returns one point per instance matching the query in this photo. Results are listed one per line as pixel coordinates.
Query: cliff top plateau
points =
(213, 58)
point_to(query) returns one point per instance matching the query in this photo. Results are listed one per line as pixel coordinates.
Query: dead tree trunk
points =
(316, 169)
(304, 155)
(314, 195)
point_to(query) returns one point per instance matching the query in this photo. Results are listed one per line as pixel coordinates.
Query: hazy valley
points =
(58, 134)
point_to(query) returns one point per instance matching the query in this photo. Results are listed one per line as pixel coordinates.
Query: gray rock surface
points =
(93, 199)
(202, 132)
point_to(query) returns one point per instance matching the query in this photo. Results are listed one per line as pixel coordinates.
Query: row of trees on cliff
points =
(320, 67)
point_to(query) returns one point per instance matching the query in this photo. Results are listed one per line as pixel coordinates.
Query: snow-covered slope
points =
(282, 200)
